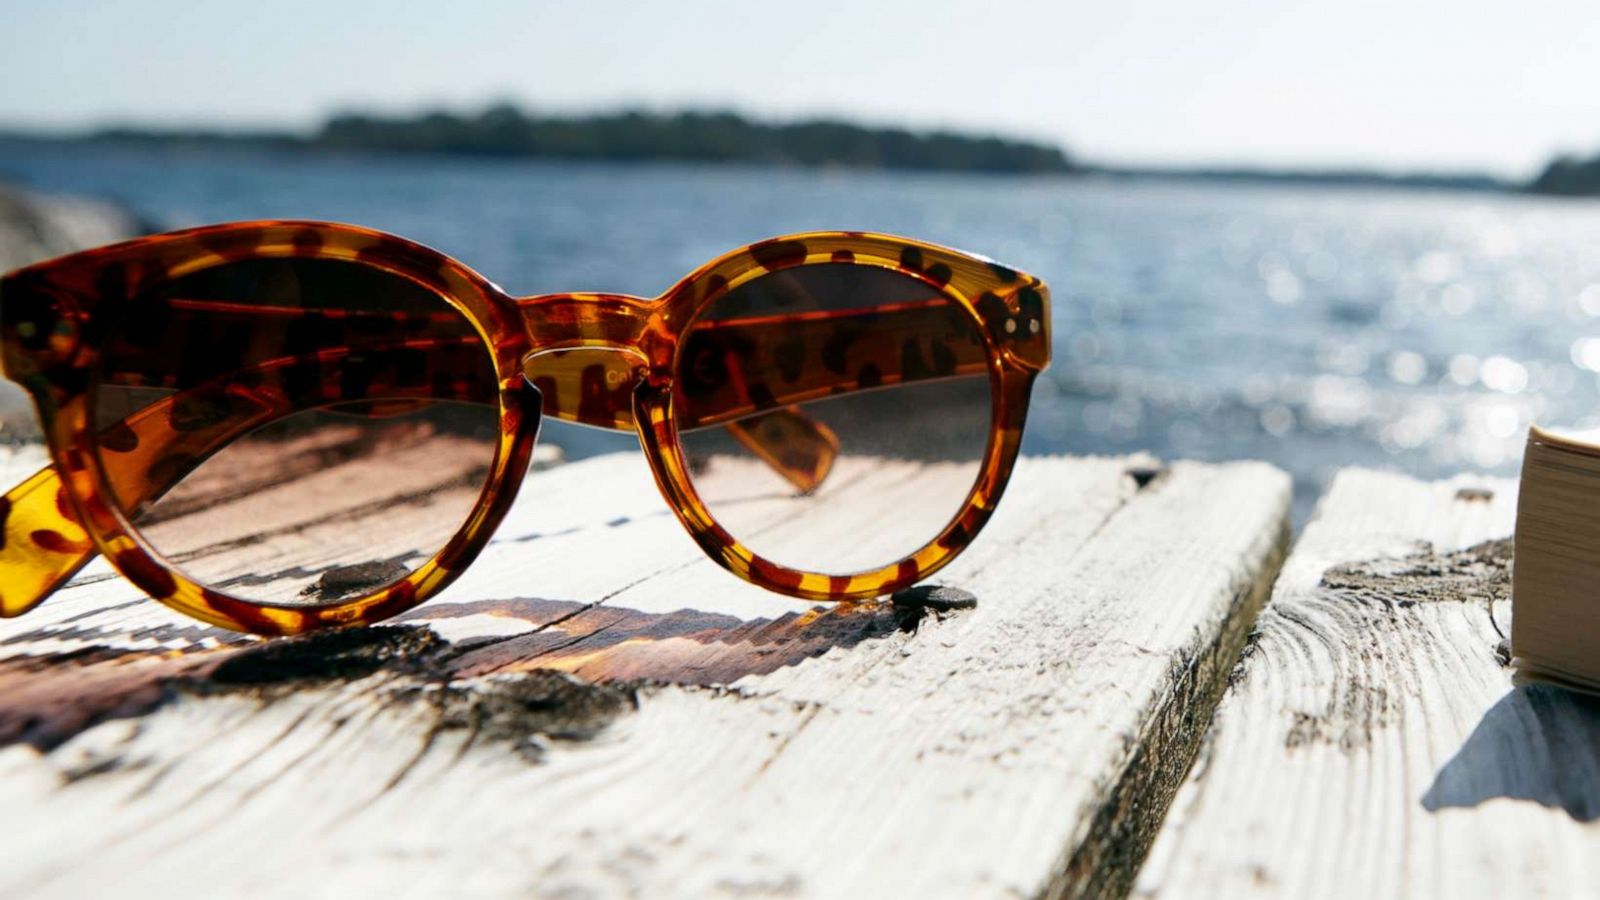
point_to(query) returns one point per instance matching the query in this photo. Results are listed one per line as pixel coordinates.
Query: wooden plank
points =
(717, 740)
(1372, 744)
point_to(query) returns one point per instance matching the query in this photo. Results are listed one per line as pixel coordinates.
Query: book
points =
(1555, 581)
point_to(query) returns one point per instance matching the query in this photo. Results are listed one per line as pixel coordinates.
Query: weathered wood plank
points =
(1372, 744)
(1028, 745)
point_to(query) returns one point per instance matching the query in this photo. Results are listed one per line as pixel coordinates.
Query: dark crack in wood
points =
(1124, 827)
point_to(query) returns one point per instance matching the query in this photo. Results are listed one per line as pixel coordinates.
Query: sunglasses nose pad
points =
(588, 385)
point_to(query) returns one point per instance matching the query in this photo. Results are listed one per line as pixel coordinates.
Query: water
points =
(1314, 328)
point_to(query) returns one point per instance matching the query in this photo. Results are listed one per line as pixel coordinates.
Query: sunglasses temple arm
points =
(796, 446)
(44, 544)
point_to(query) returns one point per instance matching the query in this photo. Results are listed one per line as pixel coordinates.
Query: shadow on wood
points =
(1539, 743)
(51, 698)
(610, 643)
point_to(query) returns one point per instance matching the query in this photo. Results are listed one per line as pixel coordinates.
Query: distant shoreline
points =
(1334, 178)
(1469, 181)
(506, 132)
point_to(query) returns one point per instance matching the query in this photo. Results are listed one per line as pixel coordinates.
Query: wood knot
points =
(1480, 573)
(937, 597)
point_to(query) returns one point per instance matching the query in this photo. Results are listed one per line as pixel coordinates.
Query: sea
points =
(1311, 327)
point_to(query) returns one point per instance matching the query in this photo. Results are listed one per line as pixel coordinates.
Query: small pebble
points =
(937, 597)
(1143, 475)
(359, 577)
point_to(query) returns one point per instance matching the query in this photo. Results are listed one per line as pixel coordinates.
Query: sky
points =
(1490, 85)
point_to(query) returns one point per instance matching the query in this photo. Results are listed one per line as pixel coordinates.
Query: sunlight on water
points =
(1310, 327)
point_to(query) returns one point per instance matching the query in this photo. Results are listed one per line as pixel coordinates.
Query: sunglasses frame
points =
(49, 344)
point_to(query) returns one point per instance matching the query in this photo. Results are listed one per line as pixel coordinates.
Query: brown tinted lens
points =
(295, 431)
(835, 417)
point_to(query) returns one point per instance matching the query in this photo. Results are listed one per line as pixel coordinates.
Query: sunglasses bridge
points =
(585, 355)
(591, 352)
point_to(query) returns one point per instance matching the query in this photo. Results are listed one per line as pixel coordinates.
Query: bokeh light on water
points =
(1311, 327)
(1323, 328)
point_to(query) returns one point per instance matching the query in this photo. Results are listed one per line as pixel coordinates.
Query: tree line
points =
(1569, 176)
(505, 130)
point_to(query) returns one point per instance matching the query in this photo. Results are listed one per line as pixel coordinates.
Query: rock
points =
(35, 227)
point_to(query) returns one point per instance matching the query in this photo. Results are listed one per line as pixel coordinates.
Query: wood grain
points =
(595, 709)
(1372, 744)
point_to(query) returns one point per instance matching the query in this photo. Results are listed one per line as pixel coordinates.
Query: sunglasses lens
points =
(835, 417)
(294, 431)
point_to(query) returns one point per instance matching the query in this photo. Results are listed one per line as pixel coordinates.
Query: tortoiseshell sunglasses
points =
(279, 426)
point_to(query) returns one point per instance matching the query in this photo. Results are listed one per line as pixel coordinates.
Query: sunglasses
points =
(281, 426)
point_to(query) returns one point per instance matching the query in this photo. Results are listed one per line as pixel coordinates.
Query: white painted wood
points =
(1372, 745)
(993, 752)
